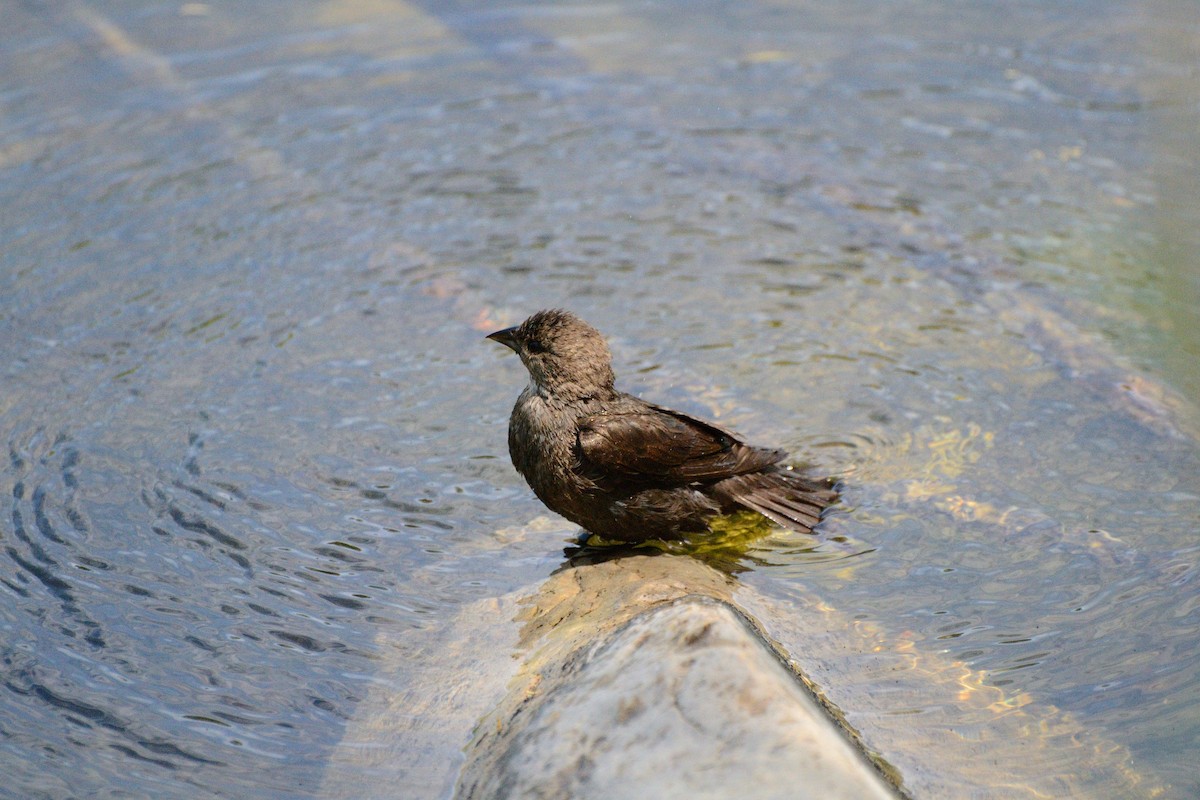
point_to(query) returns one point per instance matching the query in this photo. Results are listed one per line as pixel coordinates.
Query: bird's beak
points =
(506, 337)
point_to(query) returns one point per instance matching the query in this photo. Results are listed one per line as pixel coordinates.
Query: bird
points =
(626, 469)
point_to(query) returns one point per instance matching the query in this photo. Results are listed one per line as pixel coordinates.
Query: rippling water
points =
(256, 488)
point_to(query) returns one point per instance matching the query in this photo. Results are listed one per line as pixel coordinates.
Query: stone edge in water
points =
(684, 700)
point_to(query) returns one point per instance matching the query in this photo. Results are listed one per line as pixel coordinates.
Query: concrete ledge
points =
(685, 700)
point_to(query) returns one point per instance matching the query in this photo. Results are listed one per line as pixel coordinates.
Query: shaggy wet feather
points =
(627, 469)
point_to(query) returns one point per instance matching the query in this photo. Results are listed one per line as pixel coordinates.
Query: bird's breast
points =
(541, 442)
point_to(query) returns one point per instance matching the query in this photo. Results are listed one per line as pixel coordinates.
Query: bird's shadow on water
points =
(738, 543)
(727, 548)
(730, 561)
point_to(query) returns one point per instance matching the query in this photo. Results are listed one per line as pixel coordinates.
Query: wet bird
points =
(627, 469)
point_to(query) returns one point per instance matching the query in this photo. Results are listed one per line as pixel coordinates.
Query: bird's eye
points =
(534, 346)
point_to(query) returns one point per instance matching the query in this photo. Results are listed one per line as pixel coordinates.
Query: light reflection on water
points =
(255, 443)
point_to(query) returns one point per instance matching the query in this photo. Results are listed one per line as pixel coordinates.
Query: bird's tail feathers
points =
(785, 498)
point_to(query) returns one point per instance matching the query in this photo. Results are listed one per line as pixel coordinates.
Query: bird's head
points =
(566, 357)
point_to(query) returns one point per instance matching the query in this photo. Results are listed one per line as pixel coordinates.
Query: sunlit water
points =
(256, 445)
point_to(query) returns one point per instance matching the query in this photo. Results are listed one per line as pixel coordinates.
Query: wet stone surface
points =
(684, 701)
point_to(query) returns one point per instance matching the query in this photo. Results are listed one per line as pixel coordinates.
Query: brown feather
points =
(628, 469)
(655, 446)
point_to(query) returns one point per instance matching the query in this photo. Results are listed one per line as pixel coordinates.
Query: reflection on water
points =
(256, 494)
(738, 543)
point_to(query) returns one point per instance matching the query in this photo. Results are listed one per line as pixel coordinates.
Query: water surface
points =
(256, 488)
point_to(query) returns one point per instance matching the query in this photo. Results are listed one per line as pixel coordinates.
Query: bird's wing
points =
(654, 446)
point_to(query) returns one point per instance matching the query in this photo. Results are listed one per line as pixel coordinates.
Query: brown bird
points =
(626, 469)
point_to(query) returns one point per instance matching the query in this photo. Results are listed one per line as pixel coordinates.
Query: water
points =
(256, 488)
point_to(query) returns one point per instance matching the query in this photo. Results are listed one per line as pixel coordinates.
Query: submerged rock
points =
(683, 701)
(585, 685)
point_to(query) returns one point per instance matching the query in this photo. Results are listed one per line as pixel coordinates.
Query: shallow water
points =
(256, 476)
